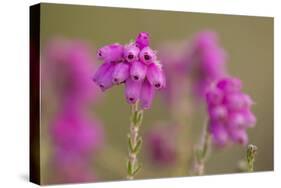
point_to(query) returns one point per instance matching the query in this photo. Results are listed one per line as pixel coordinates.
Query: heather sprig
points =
(136, 66)
(229, 111)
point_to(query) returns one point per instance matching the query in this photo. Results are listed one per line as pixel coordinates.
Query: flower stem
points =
(251, 154)
(201, 152)
(134, 142)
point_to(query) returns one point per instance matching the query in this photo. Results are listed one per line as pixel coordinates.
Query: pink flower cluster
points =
(161, 144)
(229, 112)
(75, 136)
(206, 62)
(135, 65)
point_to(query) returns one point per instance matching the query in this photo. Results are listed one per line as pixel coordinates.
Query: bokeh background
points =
(247, 40)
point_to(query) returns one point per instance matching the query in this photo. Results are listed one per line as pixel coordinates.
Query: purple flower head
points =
(120, 73)
(147, 55)
(67, 68)
(207, 61)
(161, 144)
(142, 40)
(136, 65)
(138, 71)
(111, 53)
(74, 133)
(229, 112)
(131, 52)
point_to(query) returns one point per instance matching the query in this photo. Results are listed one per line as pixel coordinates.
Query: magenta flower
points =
(229, 112)
(131, 52)
(75, 139)
(120, 73)
(68, 66)
(67, 72)
(207, 61)
(75, 133)
(161, 144)
(111, 53)
(147, 55)
(142, 40)
(138, 71)
(134, 64)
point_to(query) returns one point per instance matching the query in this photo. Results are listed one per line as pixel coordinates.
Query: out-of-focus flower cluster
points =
(229, 112)
(161, 145)
(198, 64)
(76, 137)
(206, 61)
(135, 65)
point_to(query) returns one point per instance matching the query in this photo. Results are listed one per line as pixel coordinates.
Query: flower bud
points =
(142, 40)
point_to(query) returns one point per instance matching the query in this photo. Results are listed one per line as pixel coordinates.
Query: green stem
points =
(134, 142)
(201, 153)
(251, 154)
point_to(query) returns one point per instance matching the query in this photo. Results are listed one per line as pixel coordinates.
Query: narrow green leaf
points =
(139, 117)
(131, 147)
(129, 168)
(138, 146)
(136, 170)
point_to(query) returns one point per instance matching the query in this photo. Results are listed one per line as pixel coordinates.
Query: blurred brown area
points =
(247, 40)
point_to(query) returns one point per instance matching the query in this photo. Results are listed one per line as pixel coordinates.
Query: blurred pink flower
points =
(206, 61)
(161, 144)
(229, 112)
(68, 67)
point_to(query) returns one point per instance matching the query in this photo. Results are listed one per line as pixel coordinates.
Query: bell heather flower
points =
(134, 64)
(67, 67)
(132, 90)
(146, 95)
(229, 112)
(155, 76)
(207, 61)
(120, 73)
(161, 144)
(147, 55)
(142, 40)
(111, 53)
(131, 52)
(138, 71)
(75, 138)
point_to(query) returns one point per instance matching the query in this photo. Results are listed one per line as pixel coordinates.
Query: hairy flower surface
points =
(135, 65)
(229, 112)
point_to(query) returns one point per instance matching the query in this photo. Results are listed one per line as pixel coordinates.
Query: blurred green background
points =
(247, 40)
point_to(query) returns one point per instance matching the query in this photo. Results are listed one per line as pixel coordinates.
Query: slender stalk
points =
(201, 153)
(251, 154)
(134, 142)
